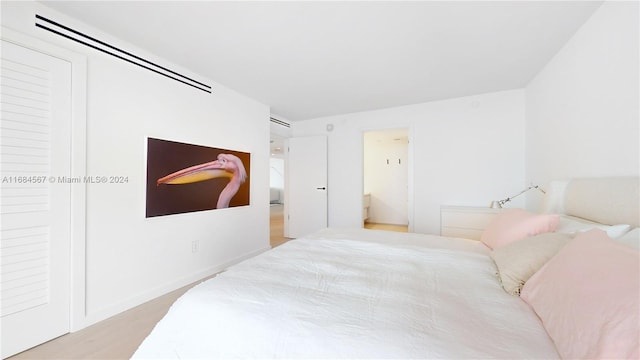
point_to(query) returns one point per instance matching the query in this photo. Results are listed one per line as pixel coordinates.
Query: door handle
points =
(321, 188)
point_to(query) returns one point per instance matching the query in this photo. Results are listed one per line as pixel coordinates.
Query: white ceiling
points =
(311, 59)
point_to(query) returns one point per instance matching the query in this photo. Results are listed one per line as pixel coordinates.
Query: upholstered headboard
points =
(607, 200)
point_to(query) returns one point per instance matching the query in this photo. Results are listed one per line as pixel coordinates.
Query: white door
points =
(35, 229)
(306, 203)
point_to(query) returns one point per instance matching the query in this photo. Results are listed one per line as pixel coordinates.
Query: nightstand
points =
(465, 221)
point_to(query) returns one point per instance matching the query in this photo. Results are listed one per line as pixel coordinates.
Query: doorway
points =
(276, 190)
(386, 180)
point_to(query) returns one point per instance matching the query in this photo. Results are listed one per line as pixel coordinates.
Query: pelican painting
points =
(227, 165)
(184, 178)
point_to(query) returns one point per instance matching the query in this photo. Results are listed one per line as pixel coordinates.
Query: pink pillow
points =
(515, 224)
(587, 298)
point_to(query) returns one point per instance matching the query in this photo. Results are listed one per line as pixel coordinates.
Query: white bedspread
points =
(343, 298)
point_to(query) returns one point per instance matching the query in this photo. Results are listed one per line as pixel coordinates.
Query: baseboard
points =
(140, 299)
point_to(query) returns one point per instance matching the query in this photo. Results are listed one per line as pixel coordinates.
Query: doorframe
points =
(410, 172)
(78, 159)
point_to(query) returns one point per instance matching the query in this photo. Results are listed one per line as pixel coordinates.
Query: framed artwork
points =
(185, 178)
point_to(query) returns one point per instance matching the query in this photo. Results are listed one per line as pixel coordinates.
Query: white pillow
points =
(632, 238)
(573, 225)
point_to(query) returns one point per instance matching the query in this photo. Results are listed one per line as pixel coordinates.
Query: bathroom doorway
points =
(386, 179)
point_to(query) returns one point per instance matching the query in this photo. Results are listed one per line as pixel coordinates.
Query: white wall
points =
(464, 151)
(131, 259)
(582, 109)
(386, 176)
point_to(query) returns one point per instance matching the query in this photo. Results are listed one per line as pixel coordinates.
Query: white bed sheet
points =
(402, 238)
(330, 297)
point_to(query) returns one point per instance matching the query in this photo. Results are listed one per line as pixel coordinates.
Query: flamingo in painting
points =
(226, 165)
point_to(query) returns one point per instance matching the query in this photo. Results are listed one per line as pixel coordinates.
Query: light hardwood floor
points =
(276, 225)
(119, 336)
(388, 227)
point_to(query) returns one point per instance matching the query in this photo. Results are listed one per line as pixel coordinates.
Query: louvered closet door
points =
(35, 209)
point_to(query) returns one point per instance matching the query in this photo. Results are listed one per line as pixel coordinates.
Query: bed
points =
(356, 293)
